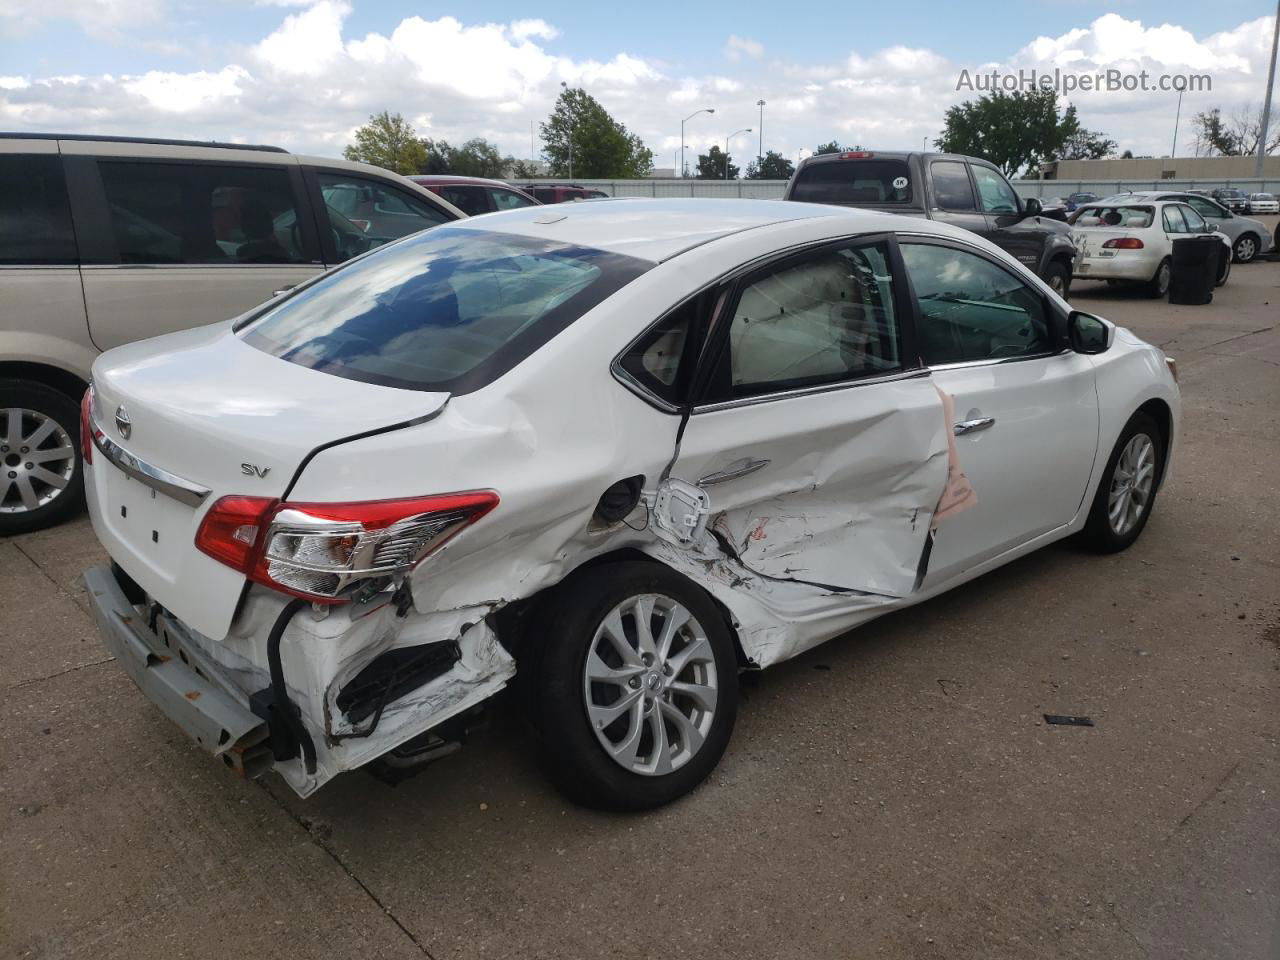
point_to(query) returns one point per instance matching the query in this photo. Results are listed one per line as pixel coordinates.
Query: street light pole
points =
(570, 112)
(682, 123)
(1177, 117)
(726, 148)
(1266, 104)
(760, 148)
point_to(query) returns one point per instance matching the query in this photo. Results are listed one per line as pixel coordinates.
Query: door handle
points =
(973, 426)
(739, 468)
(276, 293)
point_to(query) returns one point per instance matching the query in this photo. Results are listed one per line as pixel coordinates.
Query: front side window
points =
(507, 199)
(951, 187)
(971, 309)
(447, 310)
(201, 213)
(470, 200)
(828, 319)
(997, 196)
(854, 181)
(365, 213)
(1206, 208)
(1173, 222)
(35, 217)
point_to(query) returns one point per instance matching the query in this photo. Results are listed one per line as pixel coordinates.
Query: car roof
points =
(657, 230)
(427, 179)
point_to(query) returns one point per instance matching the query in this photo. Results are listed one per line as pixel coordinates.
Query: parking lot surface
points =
(894, 793)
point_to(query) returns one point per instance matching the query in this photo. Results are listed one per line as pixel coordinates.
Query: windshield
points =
(448, 309)
(854, 181)
(1262, 196)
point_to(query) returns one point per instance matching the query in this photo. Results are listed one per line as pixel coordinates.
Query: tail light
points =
(86, 435)
(856, 155)
(319, 550)
(1123, 243)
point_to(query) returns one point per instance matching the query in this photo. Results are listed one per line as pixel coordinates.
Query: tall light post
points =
(565, 87)
(726, 148)
(1177, 117)
(760, 148)
(1266, 103)
(924, 147)
(682, 123)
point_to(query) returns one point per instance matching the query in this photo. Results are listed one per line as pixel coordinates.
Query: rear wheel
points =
(41, 476)
(1127, 490)
(1058, 277)
(633, 686)
(1224, 269)
(1158, 285)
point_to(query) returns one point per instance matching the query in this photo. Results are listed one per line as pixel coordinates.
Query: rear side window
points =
(951, 187)
(198, 213)
(447, 310)
(828, 318)
(470, 200)
(507, 199)
(854, 181)
(35, 217)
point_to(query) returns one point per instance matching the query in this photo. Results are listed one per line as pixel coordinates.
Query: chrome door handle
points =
(276, 293)
(739, 468)
(973, 426)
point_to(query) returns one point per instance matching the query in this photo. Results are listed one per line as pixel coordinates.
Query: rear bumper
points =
(1120, 267)
(209, 715)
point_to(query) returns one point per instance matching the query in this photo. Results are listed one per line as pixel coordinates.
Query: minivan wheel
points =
(633, 686)
(1246, 248)
(1128, 488)
(41, 476)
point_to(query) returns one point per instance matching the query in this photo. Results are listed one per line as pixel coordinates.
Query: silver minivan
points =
(107, 240)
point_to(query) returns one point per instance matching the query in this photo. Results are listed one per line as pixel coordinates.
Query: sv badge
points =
(253, 470)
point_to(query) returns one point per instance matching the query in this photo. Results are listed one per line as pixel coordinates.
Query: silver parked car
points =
(1249, 238)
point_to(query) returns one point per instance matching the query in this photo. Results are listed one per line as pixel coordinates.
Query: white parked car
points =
(1132, 240)
(623, 450)
(1263, 203)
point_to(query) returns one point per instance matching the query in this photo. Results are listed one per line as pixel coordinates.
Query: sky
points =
(303, 74)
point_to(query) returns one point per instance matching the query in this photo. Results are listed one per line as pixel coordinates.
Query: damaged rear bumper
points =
(206, 712)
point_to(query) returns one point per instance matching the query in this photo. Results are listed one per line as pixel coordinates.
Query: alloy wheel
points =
(1246, 249)
(650, 684)
(1131, 483)
(37, 460)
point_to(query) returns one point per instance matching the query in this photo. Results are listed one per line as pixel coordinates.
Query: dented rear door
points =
(817, 450)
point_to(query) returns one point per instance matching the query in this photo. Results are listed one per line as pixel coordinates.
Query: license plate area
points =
(152, 526)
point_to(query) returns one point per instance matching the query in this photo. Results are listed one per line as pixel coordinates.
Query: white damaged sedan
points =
(621, 450)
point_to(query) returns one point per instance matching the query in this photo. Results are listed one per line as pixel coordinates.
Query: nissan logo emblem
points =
(123, 423)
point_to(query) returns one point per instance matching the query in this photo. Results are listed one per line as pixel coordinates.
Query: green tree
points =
(773, 166)
(832, 147)
(388, 141)
(478, 158)
(601, 146)
(1237, 137)
(1012, 130)
(711, 165)
(523, 170)
(1087, 145)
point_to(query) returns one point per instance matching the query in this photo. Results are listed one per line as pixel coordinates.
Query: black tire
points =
(1098, 532)
(1058, 276)
(556, 658)
(1224, 269)
(1245, 249)
(1158, 285)
(66, 502)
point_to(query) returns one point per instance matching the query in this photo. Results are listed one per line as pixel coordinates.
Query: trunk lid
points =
(222, 416)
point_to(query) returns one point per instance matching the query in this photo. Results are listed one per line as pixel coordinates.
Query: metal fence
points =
(773, 189)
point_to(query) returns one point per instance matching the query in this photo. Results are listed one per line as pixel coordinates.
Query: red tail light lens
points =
(1123, 243)
(856, 155)
(86, 437)
(318, 550)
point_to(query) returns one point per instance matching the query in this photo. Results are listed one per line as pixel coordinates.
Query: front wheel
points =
(1246, 248)
(1224, 269)
(1127, 490)
(633, 686)
(41, 476)
(1058, 276)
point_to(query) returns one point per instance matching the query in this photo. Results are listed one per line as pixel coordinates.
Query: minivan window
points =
(449, 309)
(35, 217)
(854, 181)
(201, 213)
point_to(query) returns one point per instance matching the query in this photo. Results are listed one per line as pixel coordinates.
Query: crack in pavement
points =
(60, 673)
(48, 576)
(351, 874)
(1111, 909)
(1217, 788)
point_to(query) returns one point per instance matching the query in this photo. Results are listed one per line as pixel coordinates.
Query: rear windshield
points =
(1115, 216)
(854, 181)
(448, 309)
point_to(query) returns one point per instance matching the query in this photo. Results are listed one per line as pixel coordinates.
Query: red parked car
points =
(562, 192)
(476, 195)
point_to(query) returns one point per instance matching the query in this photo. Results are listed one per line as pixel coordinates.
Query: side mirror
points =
(1089, 334)
(1031, 207)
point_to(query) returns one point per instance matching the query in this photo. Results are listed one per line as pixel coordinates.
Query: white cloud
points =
(738, 47)
(92, 15)
(310, 82)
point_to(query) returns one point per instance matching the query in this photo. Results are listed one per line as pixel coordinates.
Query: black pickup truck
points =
(964, 191)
